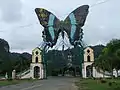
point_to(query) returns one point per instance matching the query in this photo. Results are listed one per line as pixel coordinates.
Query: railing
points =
(23, 73)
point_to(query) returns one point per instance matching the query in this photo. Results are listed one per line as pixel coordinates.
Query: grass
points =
(98, 84)
(11, 82)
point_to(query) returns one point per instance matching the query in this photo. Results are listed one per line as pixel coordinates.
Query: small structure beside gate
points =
(88, 69)
(37, 67)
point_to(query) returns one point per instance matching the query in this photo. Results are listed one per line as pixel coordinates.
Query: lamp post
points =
(69, 60)
(69, 64)
(44, 62)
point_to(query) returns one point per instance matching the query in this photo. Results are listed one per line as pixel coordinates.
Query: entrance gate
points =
(71, 27)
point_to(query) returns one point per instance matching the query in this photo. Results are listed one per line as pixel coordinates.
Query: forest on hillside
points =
(11, 60)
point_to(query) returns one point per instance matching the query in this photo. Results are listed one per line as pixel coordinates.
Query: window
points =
(88, 58)
(36, 59)
(36, 52)
(88, 51)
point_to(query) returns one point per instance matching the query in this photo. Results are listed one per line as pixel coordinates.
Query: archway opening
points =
(88, 51)
(36, 59)
(36, 72)
(89, 71)
(88, 58)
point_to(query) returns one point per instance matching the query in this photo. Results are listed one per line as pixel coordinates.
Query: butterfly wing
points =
(73, 23)
(50, 23)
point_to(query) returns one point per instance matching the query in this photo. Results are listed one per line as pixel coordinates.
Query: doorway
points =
(89, 71)
(36, 72)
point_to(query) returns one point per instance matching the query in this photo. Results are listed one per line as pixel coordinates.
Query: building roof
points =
(36, 48)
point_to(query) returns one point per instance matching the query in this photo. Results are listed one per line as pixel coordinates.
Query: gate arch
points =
(36, 72)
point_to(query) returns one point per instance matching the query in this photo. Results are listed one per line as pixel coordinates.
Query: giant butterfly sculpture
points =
(71, 25)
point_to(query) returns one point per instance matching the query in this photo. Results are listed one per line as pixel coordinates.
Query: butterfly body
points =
(72, 25)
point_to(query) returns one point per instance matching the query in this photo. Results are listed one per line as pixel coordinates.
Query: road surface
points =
(52, 83)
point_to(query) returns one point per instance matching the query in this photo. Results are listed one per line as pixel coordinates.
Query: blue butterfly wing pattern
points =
(50, 26)
(50, 23)
(73, 26)
(73, 23)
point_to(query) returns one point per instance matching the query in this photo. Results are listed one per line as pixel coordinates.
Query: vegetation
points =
(109, 59)
(7, 82)
(98, 84)
(5, 64)
(20, 62)
(56, 60)
(97, 50)
(10, 61)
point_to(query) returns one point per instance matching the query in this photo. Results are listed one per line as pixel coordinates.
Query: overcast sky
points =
(20, 27)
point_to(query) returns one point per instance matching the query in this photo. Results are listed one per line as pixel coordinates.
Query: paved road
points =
(52, 83)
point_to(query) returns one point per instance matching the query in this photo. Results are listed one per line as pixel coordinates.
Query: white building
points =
(87, 67)
(37, 67)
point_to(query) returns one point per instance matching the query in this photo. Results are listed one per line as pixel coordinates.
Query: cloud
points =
(102, 23)
(11, 10)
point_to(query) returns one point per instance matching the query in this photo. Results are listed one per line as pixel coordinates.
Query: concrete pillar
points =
(6, 75)
(83, 71)
(13, 74)
(32, 72)
(94, 72)
(40, 72)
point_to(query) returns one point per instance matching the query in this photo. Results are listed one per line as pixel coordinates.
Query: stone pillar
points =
(40, 72)
(83, 71)
(13, 74)
(32, 71)
(94, 72)
(6, 75)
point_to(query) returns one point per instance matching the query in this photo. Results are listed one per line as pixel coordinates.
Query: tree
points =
(97, 50)
(100, 64)
(5, 63)
(117, 60)
(110, 57)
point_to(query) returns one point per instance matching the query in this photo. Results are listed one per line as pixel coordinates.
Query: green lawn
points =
(6, 82)
(91, 84)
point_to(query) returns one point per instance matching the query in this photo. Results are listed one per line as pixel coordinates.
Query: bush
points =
(94, 78)
(110, 83)
(54, 73)
(103, 81)
(10, 79)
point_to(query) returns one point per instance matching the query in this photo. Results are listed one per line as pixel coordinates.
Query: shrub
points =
(110, 83)
(103, 81)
